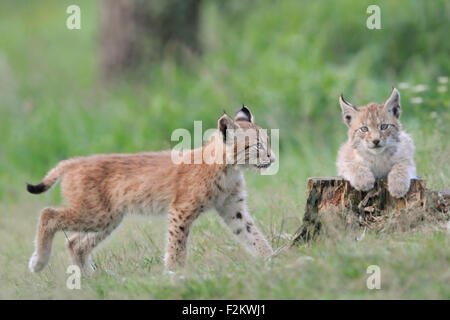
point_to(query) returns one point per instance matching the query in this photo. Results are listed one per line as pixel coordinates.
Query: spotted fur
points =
(102, 189)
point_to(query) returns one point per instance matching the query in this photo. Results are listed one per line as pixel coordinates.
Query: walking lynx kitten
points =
(377, 147)
(101, 189)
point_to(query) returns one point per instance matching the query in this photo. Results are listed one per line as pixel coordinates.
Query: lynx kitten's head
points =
(375, 127)
(246, 144)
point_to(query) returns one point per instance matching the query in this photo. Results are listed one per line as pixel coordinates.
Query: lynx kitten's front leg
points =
(180, 222)
(234, 214)
(360, 177)
(399, 180)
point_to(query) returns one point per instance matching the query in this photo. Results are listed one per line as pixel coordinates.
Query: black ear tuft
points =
(345, 101)
(244, 114)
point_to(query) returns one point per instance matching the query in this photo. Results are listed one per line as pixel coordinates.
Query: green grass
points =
(130, 266)
(288, 61)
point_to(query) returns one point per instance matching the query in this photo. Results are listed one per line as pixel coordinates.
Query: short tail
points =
(49, 180)
(37, 188)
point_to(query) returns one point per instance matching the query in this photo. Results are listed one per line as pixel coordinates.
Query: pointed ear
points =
(244, 114)
(349, 111)
(224, 123)
(392, 104)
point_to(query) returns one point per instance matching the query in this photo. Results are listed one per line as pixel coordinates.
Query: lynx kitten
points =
(102, 189)
(377, 147)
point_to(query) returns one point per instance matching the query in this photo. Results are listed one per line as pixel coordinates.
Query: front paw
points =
(89, 268)
(35, 265)
(363, 181)
(398, 187)
(267, 253)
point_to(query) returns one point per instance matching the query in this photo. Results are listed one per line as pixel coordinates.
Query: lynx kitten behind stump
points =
(377, 146)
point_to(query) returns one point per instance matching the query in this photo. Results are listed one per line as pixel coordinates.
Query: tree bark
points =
(333, 196)
(117, 35)
(136, 31)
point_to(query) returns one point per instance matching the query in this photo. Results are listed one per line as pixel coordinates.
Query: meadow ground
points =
(288, 61)
(413, 265)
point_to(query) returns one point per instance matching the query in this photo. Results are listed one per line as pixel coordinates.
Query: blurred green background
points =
(288, 61)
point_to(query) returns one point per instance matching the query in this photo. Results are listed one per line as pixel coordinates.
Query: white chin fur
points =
(375, 150)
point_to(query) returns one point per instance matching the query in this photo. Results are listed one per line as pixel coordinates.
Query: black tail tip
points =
(36, 188)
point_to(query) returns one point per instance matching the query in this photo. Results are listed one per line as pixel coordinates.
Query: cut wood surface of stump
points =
(334, 196)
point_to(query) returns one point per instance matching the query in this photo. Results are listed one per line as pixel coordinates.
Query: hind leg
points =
(77, 249)
(50, 221)
(180, 223)
(81, 245)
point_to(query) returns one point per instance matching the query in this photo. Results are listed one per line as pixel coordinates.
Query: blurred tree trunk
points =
(136, 31)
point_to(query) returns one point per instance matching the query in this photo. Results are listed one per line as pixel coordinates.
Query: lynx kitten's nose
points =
(376, 142)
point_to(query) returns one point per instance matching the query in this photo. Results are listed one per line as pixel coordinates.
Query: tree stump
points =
(335, 197)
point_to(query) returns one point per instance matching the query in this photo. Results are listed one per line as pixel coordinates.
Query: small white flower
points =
(416, 100)
(442, 79)
(403, 85)
(442, 88)
(304, 259)
(420, 88)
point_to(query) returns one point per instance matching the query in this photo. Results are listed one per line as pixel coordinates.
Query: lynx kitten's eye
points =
(364, 129)
(384, 126)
